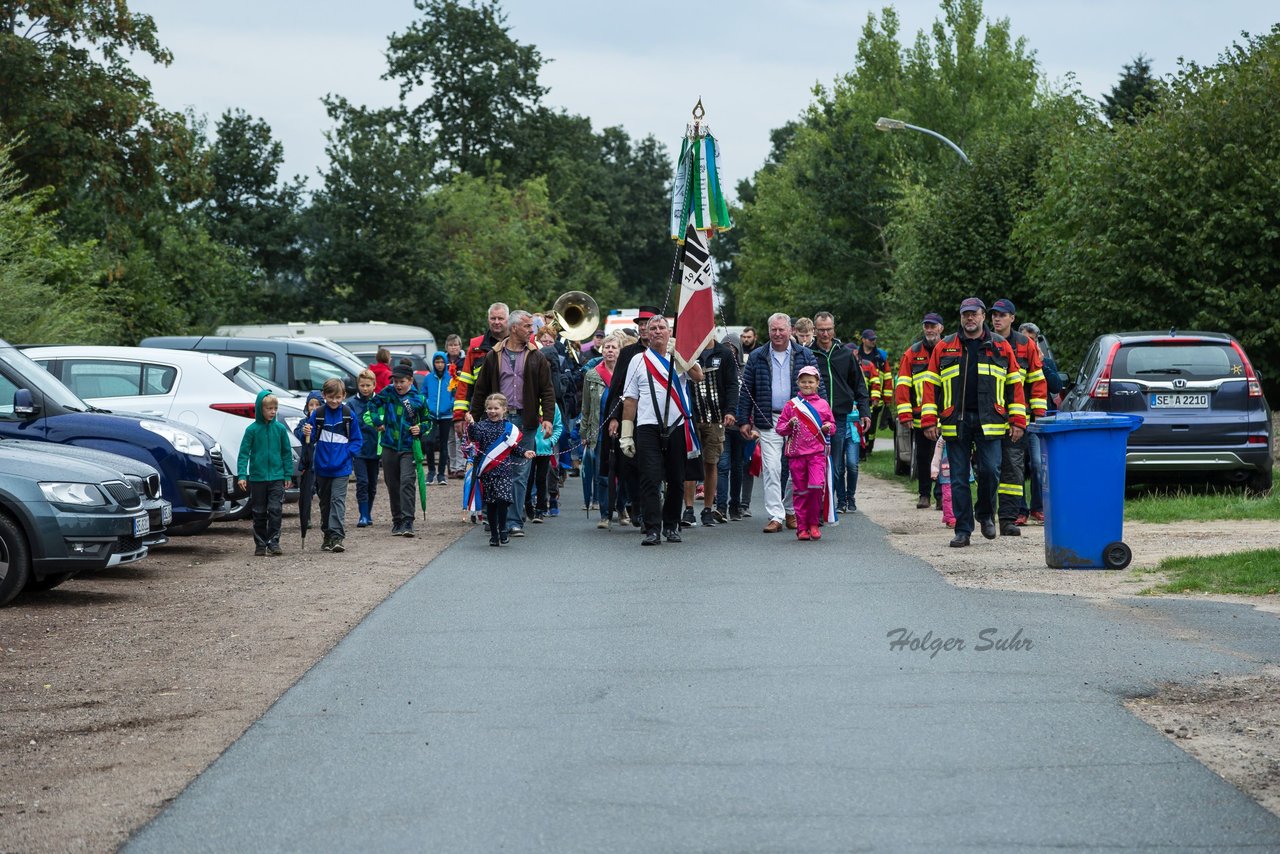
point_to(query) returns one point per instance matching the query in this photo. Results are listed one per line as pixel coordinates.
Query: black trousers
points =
(657, 467)
(922, 448)
(266, 498)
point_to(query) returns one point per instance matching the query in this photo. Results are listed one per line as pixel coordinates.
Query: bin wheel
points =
(1116, 555)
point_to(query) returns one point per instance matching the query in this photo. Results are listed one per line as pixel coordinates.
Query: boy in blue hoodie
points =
(264, 466)
(368, 461)
(399, 414)
(337, 441)
(435, 388)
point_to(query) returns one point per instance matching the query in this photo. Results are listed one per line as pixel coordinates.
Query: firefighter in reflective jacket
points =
(875, 393)
(908, 394)
(972, 397)
(1013, 463)
(477, 349)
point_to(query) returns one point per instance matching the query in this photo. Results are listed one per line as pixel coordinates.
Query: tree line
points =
(120, 218)
(1153, 209)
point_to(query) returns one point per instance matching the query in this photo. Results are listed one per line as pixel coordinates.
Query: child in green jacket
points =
(265, 465)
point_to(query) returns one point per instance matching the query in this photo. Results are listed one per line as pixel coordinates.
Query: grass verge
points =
(1252, 573)
(1185, 506)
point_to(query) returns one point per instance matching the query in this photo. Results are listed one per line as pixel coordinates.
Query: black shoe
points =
(989, 529)
(673, 535)
(637, 521)
(708, 519)
(746, 512)
(274, 551)
(337, 546)
(959, 541)
(687, 520)
(735, 514)
(505, 538)
(397, 529)
(1009, 529)
(651, 539)
(260, 551)
(407, 531)
(494, 542)
(719, 516)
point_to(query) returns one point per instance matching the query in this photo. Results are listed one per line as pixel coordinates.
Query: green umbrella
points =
(417, 461)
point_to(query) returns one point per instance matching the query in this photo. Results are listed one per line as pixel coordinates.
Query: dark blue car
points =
(1204, 414)
(34, 405)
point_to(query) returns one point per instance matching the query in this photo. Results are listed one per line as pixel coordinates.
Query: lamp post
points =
(886, 124)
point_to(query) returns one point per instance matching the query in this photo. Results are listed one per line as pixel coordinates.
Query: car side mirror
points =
(24, 403)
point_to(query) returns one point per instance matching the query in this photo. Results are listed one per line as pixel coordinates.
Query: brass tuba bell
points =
(577, 315)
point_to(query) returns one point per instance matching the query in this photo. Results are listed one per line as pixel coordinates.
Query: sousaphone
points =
(577, 315)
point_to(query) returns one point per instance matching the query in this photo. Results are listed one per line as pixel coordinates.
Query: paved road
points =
(734, 693)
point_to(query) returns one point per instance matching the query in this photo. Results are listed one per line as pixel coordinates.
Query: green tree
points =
(248, 206)
(45, 285)
(1170, 222)
(480, 83)
(1136, 93)
(85, 120)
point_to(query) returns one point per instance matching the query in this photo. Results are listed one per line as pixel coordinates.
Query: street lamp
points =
(886, 124)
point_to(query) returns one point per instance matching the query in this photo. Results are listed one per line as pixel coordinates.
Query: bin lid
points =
(1066, 421)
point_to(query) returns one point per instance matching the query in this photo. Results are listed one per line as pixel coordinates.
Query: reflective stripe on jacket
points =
(908, 389)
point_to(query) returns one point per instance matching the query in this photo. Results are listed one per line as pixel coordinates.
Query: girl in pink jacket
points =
(806, 422)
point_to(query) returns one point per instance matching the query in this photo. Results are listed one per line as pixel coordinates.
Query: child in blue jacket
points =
(435, 388)
(337, 438)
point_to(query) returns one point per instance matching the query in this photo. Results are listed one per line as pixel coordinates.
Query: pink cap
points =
(809, 370)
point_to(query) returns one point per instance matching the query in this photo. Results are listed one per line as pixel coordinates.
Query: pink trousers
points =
(808, 484)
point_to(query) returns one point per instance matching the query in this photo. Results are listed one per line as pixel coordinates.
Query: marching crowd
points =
(520, 410)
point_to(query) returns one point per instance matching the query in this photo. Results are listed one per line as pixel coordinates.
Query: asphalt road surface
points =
(737, 692)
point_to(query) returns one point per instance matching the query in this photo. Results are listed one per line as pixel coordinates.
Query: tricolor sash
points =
(501, 449)
(659, 374)
(472, 494)
(809, 417)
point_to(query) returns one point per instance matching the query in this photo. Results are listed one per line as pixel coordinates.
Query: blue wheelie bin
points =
(1083, 457)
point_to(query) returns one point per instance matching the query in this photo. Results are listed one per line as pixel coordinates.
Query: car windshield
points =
(1210, 360)
(42, 380)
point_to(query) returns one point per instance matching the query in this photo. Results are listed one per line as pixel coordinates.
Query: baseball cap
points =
(808, 370)
(972, 304)
(932, 317)
(1004, 305)
(599, 333)
(402, 371)
(869, 334)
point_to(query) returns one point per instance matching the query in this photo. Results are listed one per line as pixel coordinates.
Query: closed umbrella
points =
(307, 487)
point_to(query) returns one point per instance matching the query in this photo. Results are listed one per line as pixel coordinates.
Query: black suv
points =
(1204, 415)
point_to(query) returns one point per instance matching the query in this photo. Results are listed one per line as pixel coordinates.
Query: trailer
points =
(353, 336)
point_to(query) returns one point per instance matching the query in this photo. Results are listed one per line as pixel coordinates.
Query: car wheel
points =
(901, 468)
(1260, 482)
(240, 513)
(49, 582)
(15, 560)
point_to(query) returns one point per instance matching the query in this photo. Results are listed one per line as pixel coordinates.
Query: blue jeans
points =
(731, 468)
(366, 469)
(960, 452)
(520, 479)
(847, 467)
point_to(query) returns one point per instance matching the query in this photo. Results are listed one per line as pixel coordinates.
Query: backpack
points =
(346, 420)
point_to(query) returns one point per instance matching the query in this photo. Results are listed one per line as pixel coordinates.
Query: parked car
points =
(1204, 414)
(35, 405)
(60, 517)
(213, 392)
(300, 366)
(143, 477)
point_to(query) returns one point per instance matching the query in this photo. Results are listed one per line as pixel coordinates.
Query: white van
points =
(353, 336)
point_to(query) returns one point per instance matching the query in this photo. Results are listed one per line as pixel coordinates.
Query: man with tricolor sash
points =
(973, 397)
(658, 432)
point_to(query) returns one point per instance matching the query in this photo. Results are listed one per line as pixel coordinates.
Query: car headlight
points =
(84, 494)
(182, 441)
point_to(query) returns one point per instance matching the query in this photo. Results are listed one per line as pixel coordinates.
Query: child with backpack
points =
(368, 459)
(337, 440)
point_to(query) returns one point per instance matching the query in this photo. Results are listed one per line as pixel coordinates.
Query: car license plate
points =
(230, 485)
(1180, 401)
(166, 514)
(141, 525)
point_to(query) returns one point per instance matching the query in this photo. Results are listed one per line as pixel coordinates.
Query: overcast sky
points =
(640, 65)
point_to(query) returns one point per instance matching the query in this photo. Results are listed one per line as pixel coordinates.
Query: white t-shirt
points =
(636, 387)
